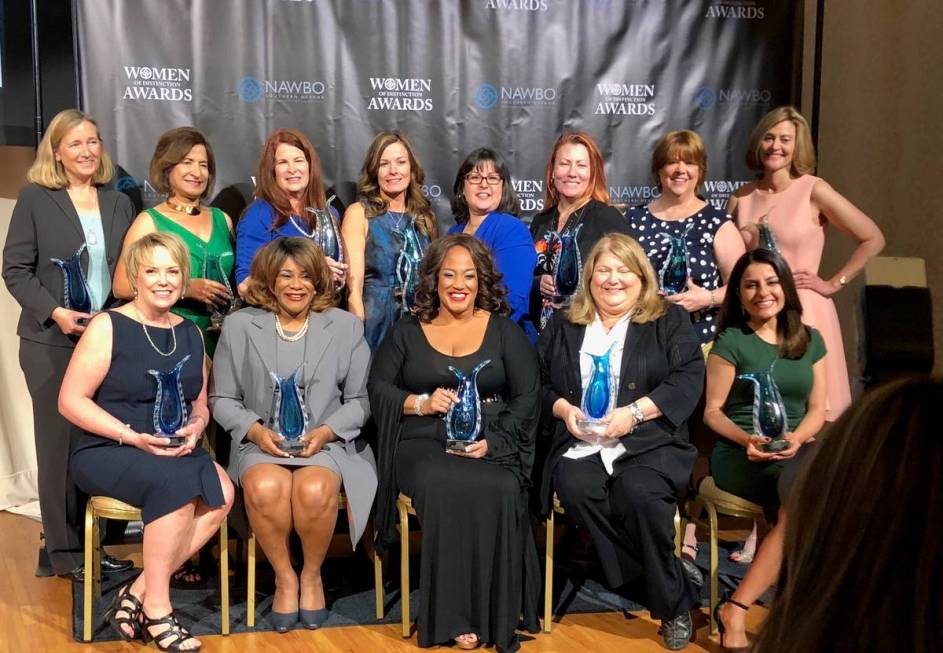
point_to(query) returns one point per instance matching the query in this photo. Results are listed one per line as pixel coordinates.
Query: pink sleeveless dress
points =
(799, 230)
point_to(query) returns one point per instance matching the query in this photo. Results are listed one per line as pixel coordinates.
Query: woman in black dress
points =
(109, 392)
(479, 567)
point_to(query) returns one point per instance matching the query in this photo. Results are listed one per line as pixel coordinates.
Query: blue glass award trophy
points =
(290, 415)
(213, 271)
(326, 233)
(407, 265)
(463, 421)
(568, 266)
(765, 237)
(170, 407)
(769, 412)
(75, 293)
(600, 396)
(673, 277)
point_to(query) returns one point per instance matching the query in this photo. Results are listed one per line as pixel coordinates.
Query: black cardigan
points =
(662, 360)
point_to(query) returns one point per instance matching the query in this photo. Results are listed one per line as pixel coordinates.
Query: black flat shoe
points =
(678, 632)
(112, 565)
(692, 572)
(721, 627)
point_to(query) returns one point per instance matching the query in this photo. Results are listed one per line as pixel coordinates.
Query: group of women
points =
(422, 308)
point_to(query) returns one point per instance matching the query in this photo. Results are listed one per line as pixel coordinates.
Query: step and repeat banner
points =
(453, 75)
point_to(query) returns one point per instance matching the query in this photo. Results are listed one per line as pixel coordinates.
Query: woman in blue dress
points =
(288, 181)
(485, 206)
(391, 223)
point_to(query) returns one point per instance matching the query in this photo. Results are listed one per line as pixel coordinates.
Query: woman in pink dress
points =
(796, 207)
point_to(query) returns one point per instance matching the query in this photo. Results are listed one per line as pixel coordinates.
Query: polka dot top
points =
(648, 231)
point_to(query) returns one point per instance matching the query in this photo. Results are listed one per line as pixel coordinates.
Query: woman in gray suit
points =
(295, 366)
(62, 214)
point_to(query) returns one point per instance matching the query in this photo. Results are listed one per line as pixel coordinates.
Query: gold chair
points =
(717, 501)
(250, 597)
(100, 507)
(548, 568)
(404, 505)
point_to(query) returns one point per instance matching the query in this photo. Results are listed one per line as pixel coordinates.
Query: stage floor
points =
(35, 616)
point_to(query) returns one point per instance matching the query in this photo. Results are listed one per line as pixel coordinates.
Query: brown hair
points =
(368, 185)
(650, 305)
(491, 295)
(48, 172)
(862, 566)
(268, 262)
(596, 189)
(803, 156)
(682, 145)
(267, 187)
(140, 251)
(172, 147)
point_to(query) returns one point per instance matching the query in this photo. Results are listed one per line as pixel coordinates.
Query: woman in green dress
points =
(183, 167)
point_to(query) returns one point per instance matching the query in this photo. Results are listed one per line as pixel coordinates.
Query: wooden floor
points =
(35, 616)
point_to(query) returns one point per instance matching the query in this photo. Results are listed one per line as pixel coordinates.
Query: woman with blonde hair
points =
(63, 217)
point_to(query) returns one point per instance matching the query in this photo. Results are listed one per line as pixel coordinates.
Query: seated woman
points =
(109, 392)
(295, 333)
(479, 567)
(623, 485)
(761, 329)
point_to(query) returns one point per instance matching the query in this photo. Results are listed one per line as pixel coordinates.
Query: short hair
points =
(682, 145)
(491, 291)
(268, 262)
(368, 185)
(650, 304)
(48, 172)
(862, 567)
(793, 335)
(803, 155)
(267, 188)
(141, 250)
(476, 161)
(172, 147)
(597, 188)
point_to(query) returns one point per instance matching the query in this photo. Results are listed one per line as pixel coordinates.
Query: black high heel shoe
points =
(722, 627)
(128, 603)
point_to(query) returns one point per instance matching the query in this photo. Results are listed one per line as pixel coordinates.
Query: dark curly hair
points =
(492, 294)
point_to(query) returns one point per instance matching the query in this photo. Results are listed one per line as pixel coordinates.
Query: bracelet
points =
(417, 403)
(638, 416)
(713, 301)
(121, 434)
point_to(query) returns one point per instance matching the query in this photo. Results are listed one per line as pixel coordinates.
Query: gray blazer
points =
(45, 224)
(335, 375)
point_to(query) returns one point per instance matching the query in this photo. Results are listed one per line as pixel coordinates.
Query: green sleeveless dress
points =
(219, 246)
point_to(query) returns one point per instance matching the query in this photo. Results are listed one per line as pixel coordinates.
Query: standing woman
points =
(184, 168)
(577, 198)
(712, 243)
(288, 181)
(797, 207)
(61, 210)
(390, 190)
(485, 206)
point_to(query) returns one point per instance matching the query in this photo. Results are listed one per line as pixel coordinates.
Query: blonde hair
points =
(48, 172)
(803, 156)
(649, 306)
(140, 251)
(682, 145)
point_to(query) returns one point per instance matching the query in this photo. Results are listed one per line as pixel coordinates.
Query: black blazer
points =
(661, 359)
(45, 224)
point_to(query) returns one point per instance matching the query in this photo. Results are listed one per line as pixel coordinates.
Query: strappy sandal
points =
(175, 632)
(128, 603)
(721, 627)
(468, 645)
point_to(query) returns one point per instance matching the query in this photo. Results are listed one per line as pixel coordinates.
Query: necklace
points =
(184, 208)
(173, 335)
(298, 336)
(575, 216)
(297, 226)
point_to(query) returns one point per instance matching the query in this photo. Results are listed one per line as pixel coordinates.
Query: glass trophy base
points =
(592, 426)
(293, 446)
(776, 445)
(174, 441)
(458, 445)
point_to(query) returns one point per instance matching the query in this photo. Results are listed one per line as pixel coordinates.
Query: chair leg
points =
(548, 577)
(87, 590)
(712, 516)
(96, 558)
(404, 567)
(224, 576)
(378, 583)
(250, 590)
(679, 530)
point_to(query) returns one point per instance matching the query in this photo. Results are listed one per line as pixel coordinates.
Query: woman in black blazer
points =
(622, 485)
(62, 210)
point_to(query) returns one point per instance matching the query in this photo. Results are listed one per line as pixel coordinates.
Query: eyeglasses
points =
(474, 178)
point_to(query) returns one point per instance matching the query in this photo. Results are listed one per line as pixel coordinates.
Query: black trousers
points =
(62, 504)
(630, 517)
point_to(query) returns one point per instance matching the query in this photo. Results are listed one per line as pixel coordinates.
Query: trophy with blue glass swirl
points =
(327, 234)
(407, 265)
(769, 411)
(568, 266)
(674, 273)
(600, 396)
(289, 414)
(170, 406)
(213, 271)
(463, 419)
(75, 294)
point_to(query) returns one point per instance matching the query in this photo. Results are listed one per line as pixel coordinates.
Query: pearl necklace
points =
(298, 336)
(173, 335)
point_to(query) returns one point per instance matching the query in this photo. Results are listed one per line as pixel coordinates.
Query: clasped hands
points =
(160, 445)
(619, 422)
(694, 298)
(756, 454)
(267, 440)
(438, 403)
